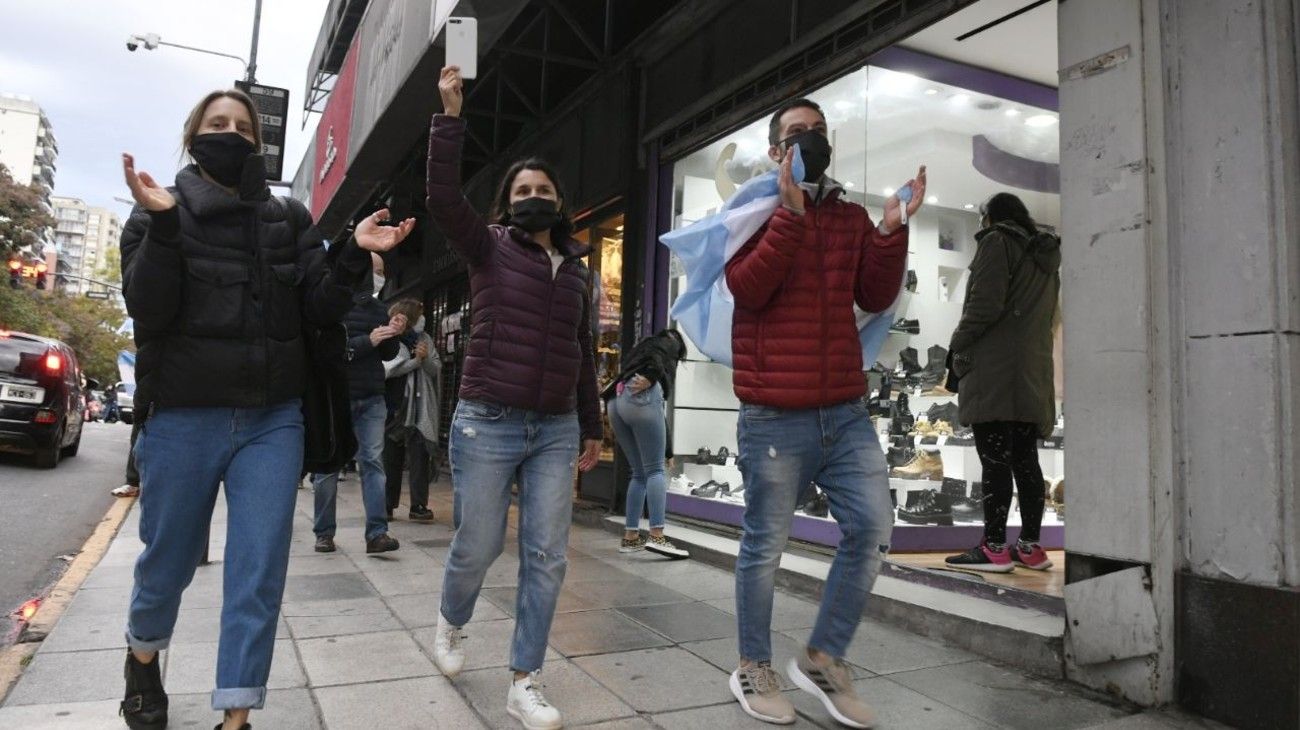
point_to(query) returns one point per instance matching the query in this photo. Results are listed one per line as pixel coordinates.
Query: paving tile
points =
(704, 585)
(364, 658)
(111, 576)
(331, 587)
(600, 632)
(487, 644)
(716, 717)
(884, 649)
(87, 631)
(80, 676)
(406, 582)
(193, 668)
(684, 621)
(203, 625)
(311, 627)
(99, 601)
(1007, 699)
(62, 715)
(319, 564)
(788, 612)
(585, 570)
(610, 594)
(580, 699)
(286, 709)
(342, 607)
(628, 723)
(659, 680)
(897, 708)
(504, 599)
(416, 611)
(407, 704)
(1165, 719)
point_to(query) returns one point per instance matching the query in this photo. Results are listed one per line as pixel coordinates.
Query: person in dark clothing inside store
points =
(372, 339)
(635, 403)
(411, 435)
(529, 408)
(798, 376)
(221, 280)
(1002, 353)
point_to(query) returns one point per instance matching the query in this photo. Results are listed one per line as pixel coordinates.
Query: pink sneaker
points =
(1031, 555)
(984, 559)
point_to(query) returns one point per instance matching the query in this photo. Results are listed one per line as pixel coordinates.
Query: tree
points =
(111, 271)
(88, 326)
(22, 217)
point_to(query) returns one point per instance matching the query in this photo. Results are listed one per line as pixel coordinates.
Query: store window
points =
(606, 263)
(977, 139)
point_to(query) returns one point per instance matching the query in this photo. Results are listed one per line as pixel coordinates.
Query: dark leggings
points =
(1010, 448)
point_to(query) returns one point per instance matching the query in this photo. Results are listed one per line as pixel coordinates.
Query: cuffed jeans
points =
(183, 454)
(492, 446)
(368, 416)
(638, 421)
(782, 451)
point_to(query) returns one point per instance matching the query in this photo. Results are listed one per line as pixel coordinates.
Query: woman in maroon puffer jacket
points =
(527, 397)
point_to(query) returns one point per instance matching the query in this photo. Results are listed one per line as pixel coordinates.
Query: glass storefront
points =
(977, 138)
(606, 263)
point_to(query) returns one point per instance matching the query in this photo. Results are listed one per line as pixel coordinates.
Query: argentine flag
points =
(704, 308)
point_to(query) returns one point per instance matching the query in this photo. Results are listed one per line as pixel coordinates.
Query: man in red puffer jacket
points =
(798, 374)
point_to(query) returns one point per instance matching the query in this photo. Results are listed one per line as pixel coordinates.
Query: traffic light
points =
(15, 273)
(41, 268)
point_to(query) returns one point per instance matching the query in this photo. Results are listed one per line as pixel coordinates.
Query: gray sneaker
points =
(758, 689)
(833, 685)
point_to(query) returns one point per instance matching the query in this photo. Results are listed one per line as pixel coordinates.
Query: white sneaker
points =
(447, 651)
(527, 705)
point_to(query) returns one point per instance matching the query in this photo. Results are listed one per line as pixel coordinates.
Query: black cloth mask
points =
(535, 214)
(815, 150)
(222, 156)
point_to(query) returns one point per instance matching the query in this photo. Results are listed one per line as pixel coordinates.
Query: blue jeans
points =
(492, 446)
(368, 416)
(183, 454)
(782, 451)
(638, 422)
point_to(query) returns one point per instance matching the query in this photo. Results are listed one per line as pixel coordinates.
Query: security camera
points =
(148, 40)
(132, 43)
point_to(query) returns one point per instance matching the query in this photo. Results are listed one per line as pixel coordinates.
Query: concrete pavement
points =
(639, 642)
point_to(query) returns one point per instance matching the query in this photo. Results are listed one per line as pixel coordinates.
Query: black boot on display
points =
(911, 281)
(907, 359)
(899, 455)
(928, 507)
(906, 326)
(936, 366)
(943, 412)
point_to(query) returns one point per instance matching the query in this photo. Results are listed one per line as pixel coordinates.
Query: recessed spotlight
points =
(931, 91)
(960, 98)
(889, 192)
(1041, 120)
(969, 206)
(848, 184)
(932, 199)
(1012, 112)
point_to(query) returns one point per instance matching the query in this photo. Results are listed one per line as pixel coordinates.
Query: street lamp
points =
(151, 41)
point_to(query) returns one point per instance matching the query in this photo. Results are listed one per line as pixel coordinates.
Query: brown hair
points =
(195, 119)
(500, 212)
(409, 307)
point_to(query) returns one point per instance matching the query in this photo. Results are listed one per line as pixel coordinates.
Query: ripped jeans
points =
(491, 447)
(782, 451)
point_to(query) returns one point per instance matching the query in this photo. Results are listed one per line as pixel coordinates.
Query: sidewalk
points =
(640, 642)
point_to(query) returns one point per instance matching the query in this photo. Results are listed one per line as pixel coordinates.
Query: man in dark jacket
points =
(371, 341)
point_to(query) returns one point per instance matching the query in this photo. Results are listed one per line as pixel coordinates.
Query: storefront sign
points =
(272, 109)
(332, 135)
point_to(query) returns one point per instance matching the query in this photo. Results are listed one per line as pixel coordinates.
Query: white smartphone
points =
(462, 45)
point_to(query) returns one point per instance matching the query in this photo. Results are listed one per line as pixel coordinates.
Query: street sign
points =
(97, 295)
(272, 109)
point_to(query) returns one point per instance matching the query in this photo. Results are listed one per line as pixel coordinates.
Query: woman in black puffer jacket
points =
(635, 402)
(220, 278)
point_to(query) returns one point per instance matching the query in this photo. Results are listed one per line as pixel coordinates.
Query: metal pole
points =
(252, 54)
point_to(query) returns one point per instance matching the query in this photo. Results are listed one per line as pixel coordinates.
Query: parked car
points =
(42, 400)
(126, 402)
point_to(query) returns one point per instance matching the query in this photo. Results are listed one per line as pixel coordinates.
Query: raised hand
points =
(372, 236)
(791, 193)
(893, 207)
(147, 193)
(590, 455)
(421, 350)
(381, 333)
(450, 86)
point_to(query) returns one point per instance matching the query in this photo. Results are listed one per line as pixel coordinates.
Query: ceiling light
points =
(848, 184)
(889, 191)
(1041, 120)
(931, 91)
(960, 98)
(1012, 112)
(969, 206)
(932, 200)
(894, 82)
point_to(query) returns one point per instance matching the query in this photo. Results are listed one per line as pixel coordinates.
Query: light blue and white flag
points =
(126, 369)
(705, 307)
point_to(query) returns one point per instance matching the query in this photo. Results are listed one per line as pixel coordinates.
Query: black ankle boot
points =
(145, 705)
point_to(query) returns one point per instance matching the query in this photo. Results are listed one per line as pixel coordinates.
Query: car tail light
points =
(53, 362)
(47, 417)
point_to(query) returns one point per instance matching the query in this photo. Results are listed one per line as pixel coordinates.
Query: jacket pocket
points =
(214, 299)
(482, 332)
(284, 308)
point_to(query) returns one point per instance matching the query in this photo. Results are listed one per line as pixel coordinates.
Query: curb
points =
(14, 659)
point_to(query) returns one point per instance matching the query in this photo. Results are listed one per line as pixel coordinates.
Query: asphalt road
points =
(46, 513)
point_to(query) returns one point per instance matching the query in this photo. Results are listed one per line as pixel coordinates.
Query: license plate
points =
(21, 393)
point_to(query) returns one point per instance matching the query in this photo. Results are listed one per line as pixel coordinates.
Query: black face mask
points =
(815, 150)
(222, 156)
(535, 214)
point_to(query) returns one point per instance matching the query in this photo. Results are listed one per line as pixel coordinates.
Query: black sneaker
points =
(928, 507)
(983, 558)
(906, 326)
(325, 545)
(145, 704)
(420, 514)
(382, 544)
(707, 489)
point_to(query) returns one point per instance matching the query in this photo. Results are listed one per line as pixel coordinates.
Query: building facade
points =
(83, 235)
(1157, 137)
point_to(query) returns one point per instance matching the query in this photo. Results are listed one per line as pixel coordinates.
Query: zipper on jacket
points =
(259, 279)
(546, 342)
(821, 296)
